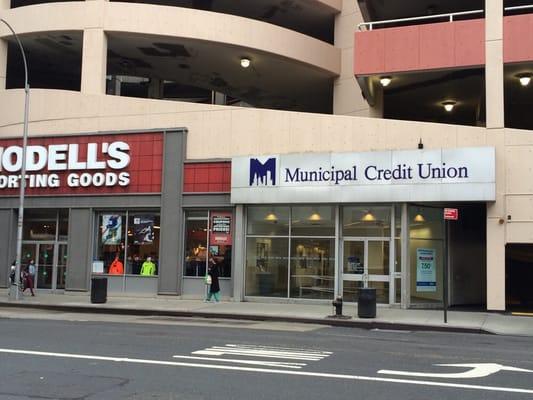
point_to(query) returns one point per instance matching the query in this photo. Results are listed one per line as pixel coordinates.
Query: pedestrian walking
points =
(29, 277)
(214, 288)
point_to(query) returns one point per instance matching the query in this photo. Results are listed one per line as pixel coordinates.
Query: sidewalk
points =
(387, 318)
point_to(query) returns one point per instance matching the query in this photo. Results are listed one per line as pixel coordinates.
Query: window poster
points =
(143, 229)
(220, 228)
(426, 272)
(111, 229)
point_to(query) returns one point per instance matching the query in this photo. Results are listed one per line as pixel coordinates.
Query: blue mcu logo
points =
(262, 174)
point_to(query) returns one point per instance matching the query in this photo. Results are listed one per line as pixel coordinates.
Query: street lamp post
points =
(22, 181)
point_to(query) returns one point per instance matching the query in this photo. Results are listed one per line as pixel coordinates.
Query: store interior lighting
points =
(245, 62)
(315, 217)
(385, 81)
(525, 79)
(449, 105)
(368, 217)
(419, 217)
(271, 217)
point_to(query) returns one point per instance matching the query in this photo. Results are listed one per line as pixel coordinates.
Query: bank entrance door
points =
(366, 263)
(51, 262)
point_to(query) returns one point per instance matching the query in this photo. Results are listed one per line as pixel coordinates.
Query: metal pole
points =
(22, 181)
(445, 273)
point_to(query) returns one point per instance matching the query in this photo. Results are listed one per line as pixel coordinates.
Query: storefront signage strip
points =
(466, 174)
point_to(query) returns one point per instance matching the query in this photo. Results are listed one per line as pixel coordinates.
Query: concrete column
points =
(219, 98)
(239, 258)
(170, 246)
(94, 61)
(347, 97)
(8, 220)
(79, 262)
(494, 97)
(155, 88)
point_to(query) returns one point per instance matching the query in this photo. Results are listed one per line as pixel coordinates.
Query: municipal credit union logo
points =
(263, 173)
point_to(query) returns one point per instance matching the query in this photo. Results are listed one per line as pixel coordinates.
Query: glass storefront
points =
(426, 252)
(44, 240)
(208, 233)
(290, 252)
(127, 242)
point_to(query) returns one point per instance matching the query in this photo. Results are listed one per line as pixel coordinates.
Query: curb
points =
(327, 321)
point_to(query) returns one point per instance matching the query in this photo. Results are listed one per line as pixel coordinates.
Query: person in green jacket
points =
(148, 267)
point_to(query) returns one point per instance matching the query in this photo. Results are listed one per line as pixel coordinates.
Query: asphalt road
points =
(46, 355)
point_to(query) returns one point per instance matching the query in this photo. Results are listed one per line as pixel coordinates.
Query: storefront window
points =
(312, 268)
(266, 267)
(268, 221)
(40, 225)
(128, 243)
(426, 249)
(310, 271)
(143, 242)
(366, 221)
(208, 233)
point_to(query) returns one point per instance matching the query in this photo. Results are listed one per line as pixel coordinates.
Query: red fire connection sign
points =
(451, 213)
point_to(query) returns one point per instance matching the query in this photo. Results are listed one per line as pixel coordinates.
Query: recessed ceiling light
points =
(525, 79)
(449, 105)
(385, 81)
(245, 62)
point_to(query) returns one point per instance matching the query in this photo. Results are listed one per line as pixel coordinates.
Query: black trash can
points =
(98, 290)
(366, 305)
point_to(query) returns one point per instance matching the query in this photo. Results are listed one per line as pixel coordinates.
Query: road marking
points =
(481, 370)
(250, 362)
(265, 352)
(269, 371)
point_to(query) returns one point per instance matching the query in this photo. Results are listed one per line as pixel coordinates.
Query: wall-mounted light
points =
(525, 79)
(245, 62)
(385, 81)
(449, 105)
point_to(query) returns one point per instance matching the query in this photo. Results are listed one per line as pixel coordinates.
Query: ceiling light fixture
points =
(271, 217)
(245, 62)
(419, 218)
(315, 217)
(525, 79)
(385, 81)
(368, 217)
(449, 105)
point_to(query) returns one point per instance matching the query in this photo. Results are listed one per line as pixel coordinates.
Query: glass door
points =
(61, 266)
(366, 263)
(45, 265)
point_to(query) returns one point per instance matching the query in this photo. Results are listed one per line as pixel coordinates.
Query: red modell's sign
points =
(95, 164)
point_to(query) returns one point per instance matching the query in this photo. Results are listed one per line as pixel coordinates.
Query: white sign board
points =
(465, 174)
(426, 271)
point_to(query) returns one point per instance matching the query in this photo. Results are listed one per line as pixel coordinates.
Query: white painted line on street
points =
(250, 362)
(264, 351)
(479, 370)
(269, 371)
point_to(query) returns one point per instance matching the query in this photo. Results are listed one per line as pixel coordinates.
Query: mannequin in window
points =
(116, 267)
(148, 267)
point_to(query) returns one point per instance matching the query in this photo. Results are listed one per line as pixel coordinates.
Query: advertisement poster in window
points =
(220, 228)
(143, 229)
(111, 229)
(426, 274)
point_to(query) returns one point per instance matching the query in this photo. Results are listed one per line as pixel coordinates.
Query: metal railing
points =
(449, 16)
(518, 7)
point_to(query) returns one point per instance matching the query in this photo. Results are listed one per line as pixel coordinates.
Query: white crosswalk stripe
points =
(259, 355)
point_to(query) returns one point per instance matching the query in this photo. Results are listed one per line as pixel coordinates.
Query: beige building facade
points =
(99, 67)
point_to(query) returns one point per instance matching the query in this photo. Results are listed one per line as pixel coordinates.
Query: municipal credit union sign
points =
(463, 174)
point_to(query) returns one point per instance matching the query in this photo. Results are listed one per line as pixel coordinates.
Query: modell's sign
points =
(83, 164)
